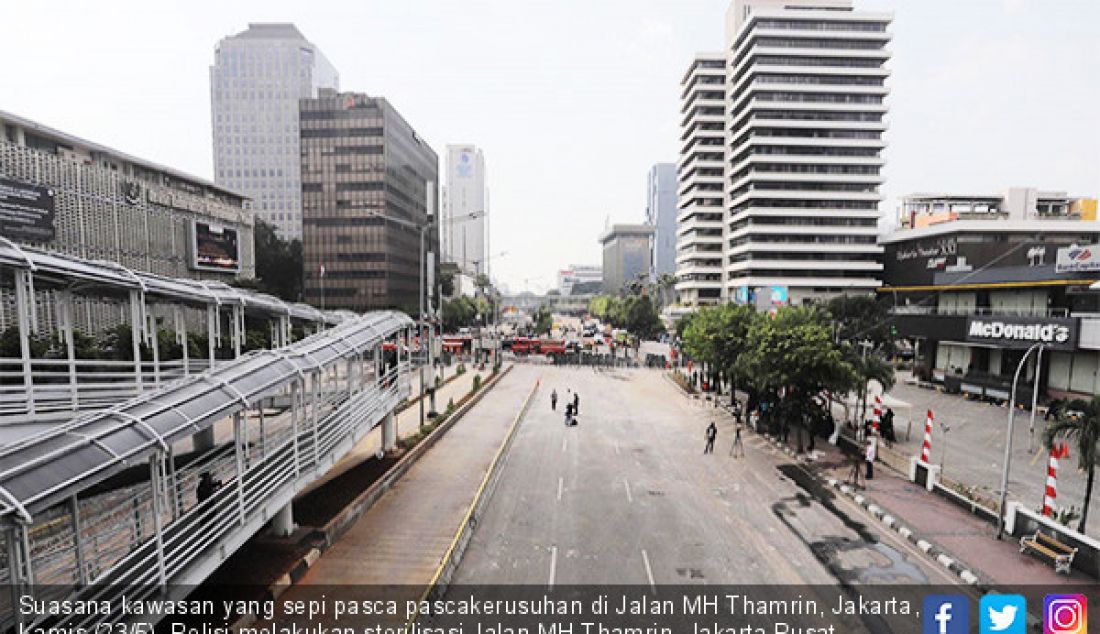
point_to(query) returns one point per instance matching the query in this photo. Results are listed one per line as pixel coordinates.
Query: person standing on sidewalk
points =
(712, 433)
(554, 400)
(738, 445)
(855, 474)
(576, 403)
(869, 457)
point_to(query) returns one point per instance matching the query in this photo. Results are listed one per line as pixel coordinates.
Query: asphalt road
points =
(627, 497)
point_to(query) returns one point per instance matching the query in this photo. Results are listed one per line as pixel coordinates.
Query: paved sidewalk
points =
(976, 445)
(964, 535)
(401, 539)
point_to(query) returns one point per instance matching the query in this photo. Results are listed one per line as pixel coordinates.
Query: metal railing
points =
(60, 386)
(137, 540)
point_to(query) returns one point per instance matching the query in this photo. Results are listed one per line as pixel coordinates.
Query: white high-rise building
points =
(805, 121)
(256, 81)
(464, 228)
(701, 176)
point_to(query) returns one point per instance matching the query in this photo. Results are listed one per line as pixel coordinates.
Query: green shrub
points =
(461, 369)
(477, 383)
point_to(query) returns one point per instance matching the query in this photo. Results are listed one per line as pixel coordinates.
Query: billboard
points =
(1074, 259)
(214, 247)
(27, 212)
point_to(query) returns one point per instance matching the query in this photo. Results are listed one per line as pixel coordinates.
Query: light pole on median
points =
(1008, 440)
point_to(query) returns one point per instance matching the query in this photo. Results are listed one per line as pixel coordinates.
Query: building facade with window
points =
(66, 194)
(1015, 203)
(805, 117)
(464, 226)
(660, 213)
(626, 255)
(368, 187)
(256, 80)
(700, 174)
(580, 279)
(974, 295)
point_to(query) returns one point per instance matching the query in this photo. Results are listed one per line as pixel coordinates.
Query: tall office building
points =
(701, 175)
(660, 212)
(464, 226)
(368, 182)
(805, 119)
(256, 81)
(626, 256)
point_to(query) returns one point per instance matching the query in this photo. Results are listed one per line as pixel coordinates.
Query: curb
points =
(343, 520)
(457, 548)
(889, 521)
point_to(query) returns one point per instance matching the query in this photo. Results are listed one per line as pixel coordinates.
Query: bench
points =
(1051, 548)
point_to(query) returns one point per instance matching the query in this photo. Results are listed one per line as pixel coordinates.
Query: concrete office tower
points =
(464, 226)
(701, 176)
(805, 119)
(660, 212)
(256, 81)
(365, 174)
(626, 255)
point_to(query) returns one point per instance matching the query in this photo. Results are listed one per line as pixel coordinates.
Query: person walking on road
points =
(554, 400)
(738, 445)
(576, 403)
(568, 414)
(869, 457)
(855, 474)
(712, 433)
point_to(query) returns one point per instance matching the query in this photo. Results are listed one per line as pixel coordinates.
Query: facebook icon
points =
(945, 614)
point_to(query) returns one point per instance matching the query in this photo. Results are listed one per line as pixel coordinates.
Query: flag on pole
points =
(926, 449)
(876, 418)
(1056, 452)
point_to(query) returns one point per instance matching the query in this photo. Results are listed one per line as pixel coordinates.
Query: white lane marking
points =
(561, 483)
(649, 572)
(563, 442)
(553, 566)
(629, 497)
(616, 449)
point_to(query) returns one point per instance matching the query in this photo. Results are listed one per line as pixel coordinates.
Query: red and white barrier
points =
(876, 418)
(1056, 452)
(926, 449)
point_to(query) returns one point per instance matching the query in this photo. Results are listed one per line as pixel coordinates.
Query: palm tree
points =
(1079, 421)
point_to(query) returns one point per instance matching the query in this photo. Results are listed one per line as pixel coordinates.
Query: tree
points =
(664, 289)
(1078, 421)
(447, 283)
(458, 312)
(278, 263)
(794, 353)
(861, 324)
(718, 336)
(543, 319)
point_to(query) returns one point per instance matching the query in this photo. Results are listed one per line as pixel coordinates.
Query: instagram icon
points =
(1065, 614)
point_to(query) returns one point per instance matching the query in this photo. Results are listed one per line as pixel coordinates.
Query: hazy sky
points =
(572, 100)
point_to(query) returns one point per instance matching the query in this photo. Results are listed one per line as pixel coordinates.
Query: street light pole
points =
(1008, 441)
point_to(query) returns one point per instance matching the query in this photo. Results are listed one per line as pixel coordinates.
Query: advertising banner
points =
(1074, 259)
(27, 212)
(214, 248)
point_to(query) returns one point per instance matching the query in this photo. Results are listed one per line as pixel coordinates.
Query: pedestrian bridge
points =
(105, 503)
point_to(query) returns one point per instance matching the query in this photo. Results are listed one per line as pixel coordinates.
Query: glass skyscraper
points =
(257, 79)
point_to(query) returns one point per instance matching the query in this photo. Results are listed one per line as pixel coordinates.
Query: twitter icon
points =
(1002, 614)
